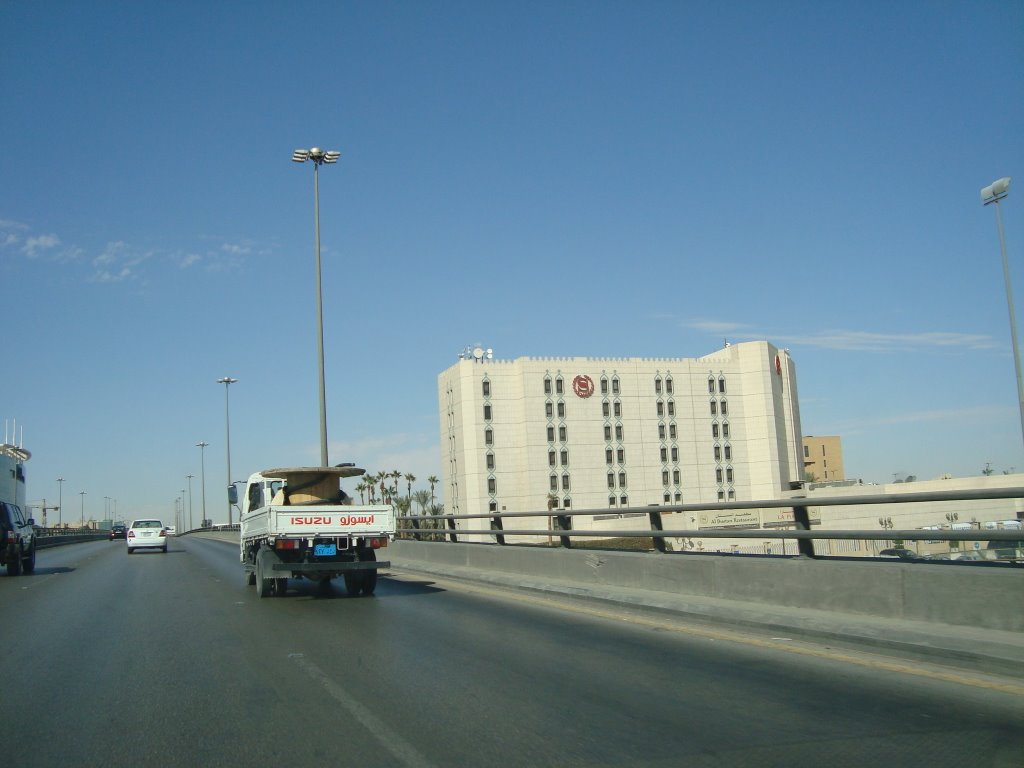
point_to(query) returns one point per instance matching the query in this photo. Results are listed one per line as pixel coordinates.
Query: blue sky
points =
(547, 178)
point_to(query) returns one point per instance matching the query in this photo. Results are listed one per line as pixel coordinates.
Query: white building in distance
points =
(617, 434)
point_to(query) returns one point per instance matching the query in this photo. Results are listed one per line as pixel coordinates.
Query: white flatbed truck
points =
(298, 523)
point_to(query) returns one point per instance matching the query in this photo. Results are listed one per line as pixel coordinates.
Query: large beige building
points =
(612, 434)
(823, 458)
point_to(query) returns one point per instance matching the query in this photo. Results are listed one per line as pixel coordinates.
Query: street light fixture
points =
(202, 456)
(82, 494)
(227, 381)
(993, 193)
(319, 157)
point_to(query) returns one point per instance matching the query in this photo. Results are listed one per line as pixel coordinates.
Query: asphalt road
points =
(170, 660)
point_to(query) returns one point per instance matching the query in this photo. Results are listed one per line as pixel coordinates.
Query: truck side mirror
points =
(232, 494)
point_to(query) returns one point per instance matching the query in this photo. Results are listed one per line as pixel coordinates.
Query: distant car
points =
(172, 531)
(17, 540)
(900, 553)
(118, 531)
(147, 534)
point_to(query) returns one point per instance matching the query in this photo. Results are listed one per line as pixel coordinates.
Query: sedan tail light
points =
(163, 531)
(131, 534)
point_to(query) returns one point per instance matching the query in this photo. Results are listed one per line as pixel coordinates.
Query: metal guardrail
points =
(561, 521)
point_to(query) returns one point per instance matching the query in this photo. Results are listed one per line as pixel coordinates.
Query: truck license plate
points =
(324, 550)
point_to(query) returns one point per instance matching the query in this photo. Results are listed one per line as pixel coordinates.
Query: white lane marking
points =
(402, 750)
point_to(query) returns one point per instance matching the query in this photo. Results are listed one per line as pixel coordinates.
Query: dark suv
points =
(17, 540)
(118, 531)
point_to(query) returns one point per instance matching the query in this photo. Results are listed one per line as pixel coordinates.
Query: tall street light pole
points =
(227, 381)
(202, 456)
(82, 494)
(60, 500)
(319, 157)
(993, 193)
(189, 501)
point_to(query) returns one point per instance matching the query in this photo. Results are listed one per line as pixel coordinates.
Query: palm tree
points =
(361, 487)
(410, 478)
(402, 508)
(422, 498)
(395, 475)
(433, 481)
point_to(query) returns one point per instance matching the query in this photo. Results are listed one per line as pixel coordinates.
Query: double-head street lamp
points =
(227, 381)
(993, 193)
(318, 157)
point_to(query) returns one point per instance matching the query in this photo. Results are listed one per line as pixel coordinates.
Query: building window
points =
(668, 386)
(611, 501)
(807, 452)
(679, 498)
(718, 475)
(721, 384)
(487, 388)
(604, 410)
(490, 461)
(623, 501)
(561, 410)
(611, 479)
(547, 385)
(675, 477)
(718, 453)
(567, 503)
(725, 408)
(621, 454)
(492, 485)
(657, 386)
(551, 434)
(561, 434)
(615, 386)
(604, 386)
(721, 496)
(554, 483)
(661, 408)
(664, 454)
(725, 431)
(607, 432)
(661, 431)
(711, 386)
(732, 495)
(551, 458)
(565, 458)
(728, 453)
(714, 408)
(714, 431)
(558, 385)
(617, 409)
(608, 456)
(664, 477)
(622, 479)
(672, 431)
(488, 437)
(565, 482)
(671, 407)
(487, 413)
(675, 453)
(728, 474)
(618, 432)
(493, 506)
(548, 411)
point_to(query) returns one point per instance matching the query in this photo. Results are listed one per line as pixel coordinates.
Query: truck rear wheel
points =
(353, 582)
(369, 577)
(263, 586)
(281, 586)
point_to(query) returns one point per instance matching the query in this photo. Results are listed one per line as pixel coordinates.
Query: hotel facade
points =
(617, 434)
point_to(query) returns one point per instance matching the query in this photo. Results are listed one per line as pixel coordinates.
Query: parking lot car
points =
(147, 534)
(118, 531)
(17, 540)
(899, 552)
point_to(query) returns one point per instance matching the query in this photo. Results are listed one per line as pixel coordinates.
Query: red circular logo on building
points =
(583, 385)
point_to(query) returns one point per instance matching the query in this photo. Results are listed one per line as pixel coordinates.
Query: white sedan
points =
(150, 534)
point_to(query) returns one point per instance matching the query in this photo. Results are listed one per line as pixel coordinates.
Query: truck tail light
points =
(286, 544)
(379, 543)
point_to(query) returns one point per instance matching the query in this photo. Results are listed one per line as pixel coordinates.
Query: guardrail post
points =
(451, 531)
(656, 525)
(496, 526)
(803, 523)
(565, 524)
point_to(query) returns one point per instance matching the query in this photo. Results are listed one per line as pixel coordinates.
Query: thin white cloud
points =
(35, 245)
(188, 260)
(716, 326)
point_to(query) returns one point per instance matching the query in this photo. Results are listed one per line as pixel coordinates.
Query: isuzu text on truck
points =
(298, 523)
